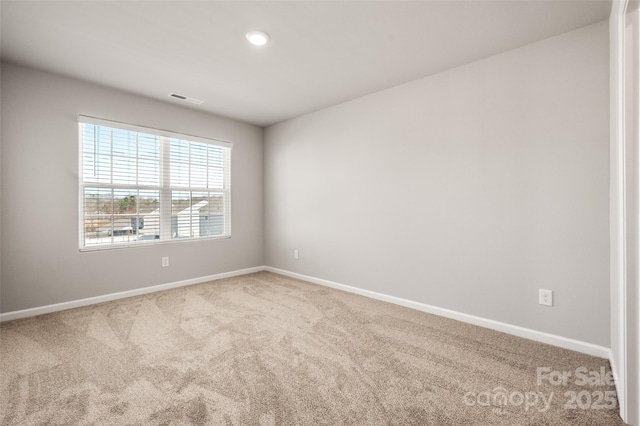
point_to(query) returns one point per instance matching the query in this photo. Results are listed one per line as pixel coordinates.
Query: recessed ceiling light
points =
(258, 38)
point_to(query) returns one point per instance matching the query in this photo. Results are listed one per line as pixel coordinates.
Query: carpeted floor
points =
(263, 349)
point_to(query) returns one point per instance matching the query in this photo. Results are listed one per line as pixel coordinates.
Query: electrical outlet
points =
(546, 297)
(165, 262)
(296, 254)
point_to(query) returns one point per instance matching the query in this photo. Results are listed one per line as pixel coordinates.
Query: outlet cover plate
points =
(546, 297)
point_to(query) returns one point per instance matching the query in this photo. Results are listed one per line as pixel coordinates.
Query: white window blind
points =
(142, 186)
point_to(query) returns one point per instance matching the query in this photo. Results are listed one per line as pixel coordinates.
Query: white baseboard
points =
(538, 336)
(563, 342)
(31, 312)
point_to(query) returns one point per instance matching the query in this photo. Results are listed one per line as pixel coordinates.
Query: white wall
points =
(624, 24)
(631, 226)
(616, 202)
(632, 138)
(468, 190)
(0, 191)
(41, 263)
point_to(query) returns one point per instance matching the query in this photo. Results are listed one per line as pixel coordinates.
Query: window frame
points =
(164, 188)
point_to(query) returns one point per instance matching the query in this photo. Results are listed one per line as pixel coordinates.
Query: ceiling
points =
(321, 53)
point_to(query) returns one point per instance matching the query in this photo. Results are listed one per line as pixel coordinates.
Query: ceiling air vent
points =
(186, 98)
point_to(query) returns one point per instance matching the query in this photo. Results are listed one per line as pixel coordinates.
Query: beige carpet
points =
(263, 349)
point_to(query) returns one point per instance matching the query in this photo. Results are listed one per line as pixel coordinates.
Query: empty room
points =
(319, 212)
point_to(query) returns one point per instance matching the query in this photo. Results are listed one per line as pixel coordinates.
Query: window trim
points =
(164, 188)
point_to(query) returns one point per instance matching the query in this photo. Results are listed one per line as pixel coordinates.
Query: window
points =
(143, 186)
